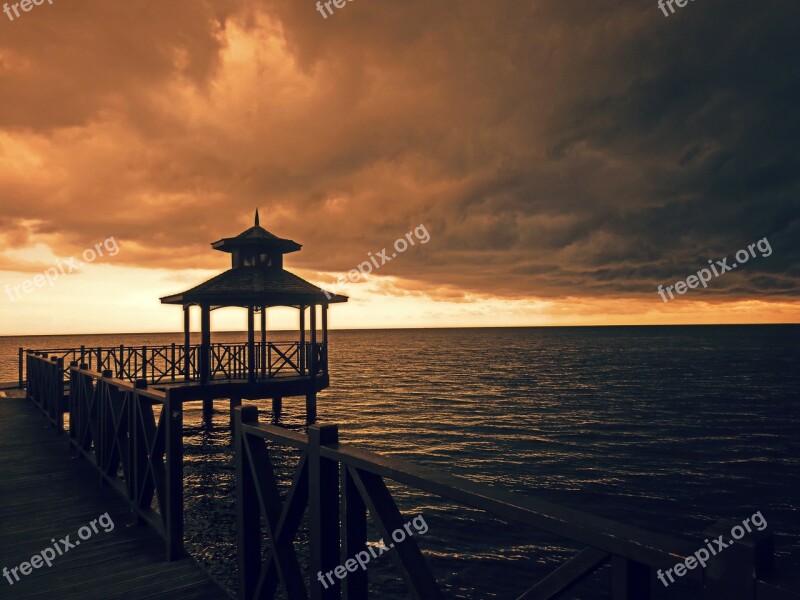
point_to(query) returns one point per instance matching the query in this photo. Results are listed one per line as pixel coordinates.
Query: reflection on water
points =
(669, 428)
(666, 428)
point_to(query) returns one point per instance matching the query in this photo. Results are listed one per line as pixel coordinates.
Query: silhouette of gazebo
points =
(257, 281)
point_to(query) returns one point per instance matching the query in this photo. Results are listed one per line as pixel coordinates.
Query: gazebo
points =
(257, 281)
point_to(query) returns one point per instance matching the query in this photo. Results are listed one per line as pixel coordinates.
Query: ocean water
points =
(667, 428)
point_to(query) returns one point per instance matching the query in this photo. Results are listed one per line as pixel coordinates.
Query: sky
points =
(565, 158)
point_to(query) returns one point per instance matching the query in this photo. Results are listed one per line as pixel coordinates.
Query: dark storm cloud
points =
(552, 148)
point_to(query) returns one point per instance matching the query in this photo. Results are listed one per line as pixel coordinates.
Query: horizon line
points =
(244, 331)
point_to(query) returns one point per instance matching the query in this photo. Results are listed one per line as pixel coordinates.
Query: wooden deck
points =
(46, 495)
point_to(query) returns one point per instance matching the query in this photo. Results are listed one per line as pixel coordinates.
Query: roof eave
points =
(245, 299)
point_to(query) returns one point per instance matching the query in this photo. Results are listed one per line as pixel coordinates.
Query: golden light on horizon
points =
(540, 212)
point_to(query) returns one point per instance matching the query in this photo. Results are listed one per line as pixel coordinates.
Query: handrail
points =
(119, 425)
(170, 363)
(329, 469)
(133, 436)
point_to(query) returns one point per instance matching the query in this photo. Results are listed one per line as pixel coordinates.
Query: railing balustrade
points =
(171, 363)
(133, 436)
(337, 483)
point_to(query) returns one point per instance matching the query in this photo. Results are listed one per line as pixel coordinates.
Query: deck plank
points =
(45, 494)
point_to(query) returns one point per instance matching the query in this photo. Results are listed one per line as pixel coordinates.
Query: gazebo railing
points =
(170, 363)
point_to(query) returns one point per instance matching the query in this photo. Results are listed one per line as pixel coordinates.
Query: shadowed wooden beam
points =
(570, 573)
(413, 567)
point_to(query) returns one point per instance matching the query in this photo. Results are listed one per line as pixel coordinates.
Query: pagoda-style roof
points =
(257, 277)
(257, 237)
(255, 286)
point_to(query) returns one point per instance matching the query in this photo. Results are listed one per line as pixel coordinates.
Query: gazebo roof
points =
(254, 286)
(258, 237)
(264, 284)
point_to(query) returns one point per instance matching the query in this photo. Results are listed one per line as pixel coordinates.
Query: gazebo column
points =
(205, 343)
(263, 342)
(301, 361)
(324, 353)
(251, 344)
(314, 366)
(205, 360)
(311, 393)
(187, 364)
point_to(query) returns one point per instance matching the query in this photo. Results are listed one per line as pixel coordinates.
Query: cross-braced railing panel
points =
(172, 362)
(343, 484)
(133, 436)
(45, 386)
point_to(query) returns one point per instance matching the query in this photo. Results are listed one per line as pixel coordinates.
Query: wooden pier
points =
(115, 444)
(132, 436)
(46, 494)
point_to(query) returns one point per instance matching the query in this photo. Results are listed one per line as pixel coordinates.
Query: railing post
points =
(137, 450)
(354, 535)
(51, 399)
(248, 512)
(172, 362)
(28, 372)
(20, 368)
(630, 579)
(83, 352)
(174, 476)
(73, 385)
(101, 445)
(323, 505)
(732, 572)
(269, 359)
(59, 396)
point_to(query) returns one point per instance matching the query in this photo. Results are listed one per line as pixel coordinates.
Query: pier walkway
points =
(129, 438)
(46, 495)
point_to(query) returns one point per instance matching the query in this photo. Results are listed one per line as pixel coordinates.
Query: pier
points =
(47, 494)
(100, 430)
(130, 434)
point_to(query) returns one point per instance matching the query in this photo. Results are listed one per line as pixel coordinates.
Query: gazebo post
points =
(205, 343)
(324, 353)
(311, 392)
(186, 345)
(205, 360)
(313, 365)
(251, 345)
(301, 361)
(263, 342)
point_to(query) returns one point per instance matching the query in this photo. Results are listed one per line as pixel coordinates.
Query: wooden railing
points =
(338, 483)
(45, 386)
(132, 435)
(171, 363)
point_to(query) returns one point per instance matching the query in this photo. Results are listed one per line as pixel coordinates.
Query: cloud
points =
(553, 149)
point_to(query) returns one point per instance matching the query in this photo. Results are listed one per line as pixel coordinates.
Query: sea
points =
(668, 428)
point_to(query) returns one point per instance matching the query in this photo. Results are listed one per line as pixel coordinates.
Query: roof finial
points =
(257, 218)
